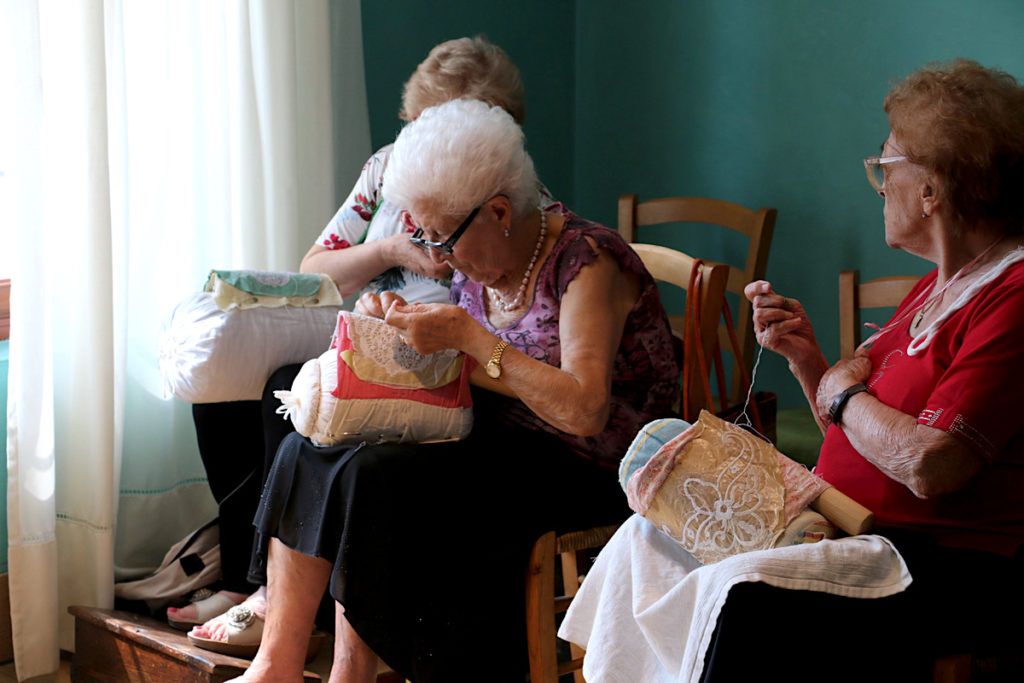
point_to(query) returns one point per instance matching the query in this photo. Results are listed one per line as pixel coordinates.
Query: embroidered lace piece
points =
(722, 493)
(394, 360)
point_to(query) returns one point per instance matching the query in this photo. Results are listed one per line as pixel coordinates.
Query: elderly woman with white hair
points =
(425, 546)
(364, 247)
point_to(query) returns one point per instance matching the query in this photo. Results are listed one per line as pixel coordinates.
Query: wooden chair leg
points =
(952, 669)
(540, 617)
(571, 584)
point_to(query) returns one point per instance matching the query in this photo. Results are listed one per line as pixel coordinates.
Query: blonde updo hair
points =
(965, 122)
(470, 68)
(456, 156)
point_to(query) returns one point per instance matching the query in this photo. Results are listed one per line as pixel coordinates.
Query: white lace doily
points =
(376, 340)
(725, 494)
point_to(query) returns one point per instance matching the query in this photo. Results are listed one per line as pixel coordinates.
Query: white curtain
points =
(143, 143)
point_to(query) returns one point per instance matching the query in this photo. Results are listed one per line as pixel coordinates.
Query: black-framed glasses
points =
(448, 245)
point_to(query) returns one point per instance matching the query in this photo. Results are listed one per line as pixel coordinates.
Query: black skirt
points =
(430, 542)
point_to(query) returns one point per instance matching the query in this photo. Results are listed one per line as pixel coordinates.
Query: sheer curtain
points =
(144, 143)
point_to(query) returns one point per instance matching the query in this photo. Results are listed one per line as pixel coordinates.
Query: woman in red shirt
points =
(922, 425)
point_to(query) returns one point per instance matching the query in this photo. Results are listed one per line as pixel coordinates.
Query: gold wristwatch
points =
(493, 367)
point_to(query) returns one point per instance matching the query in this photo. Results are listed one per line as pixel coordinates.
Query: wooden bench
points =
(121, 647)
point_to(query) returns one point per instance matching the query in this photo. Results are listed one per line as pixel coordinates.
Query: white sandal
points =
(244, 633)
(206, 608)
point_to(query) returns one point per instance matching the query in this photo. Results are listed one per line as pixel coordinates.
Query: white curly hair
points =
(456, 156)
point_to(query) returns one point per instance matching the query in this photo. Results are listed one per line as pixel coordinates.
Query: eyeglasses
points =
(875, 168)
(448, 245)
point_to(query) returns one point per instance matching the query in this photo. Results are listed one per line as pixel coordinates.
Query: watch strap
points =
(496, 354)
(835, 411)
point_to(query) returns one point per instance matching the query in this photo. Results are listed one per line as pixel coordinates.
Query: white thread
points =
(750, 392)
(290, 403)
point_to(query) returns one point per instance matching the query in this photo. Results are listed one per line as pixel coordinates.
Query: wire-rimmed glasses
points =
(875, 168)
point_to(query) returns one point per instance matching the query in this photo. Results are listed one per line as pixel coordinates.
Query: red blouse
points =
(968, 382)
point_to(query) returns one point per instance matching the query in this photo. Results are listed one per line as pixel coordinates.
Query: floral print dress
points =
(365, 216)
(646, 368)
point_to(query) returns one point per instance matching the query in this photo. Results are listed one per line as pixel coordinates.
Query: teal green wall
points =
(538, 35)
(762, 102)
(766, 104)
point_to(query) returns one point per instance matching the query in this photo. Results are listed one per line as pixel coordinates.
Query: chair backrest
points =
(757, 225)
(674, 267)
(883, 292)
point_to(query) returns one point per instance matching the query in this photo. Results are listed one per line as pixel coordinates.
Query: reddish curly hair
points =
(965, 122)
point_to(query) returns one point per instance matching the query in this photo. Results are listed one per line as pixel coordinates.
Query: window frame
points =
(5, 309)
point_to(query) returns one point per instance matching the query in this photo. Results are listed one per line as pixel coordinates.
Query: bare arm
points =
(782, 325)
(574, 397)
(353, 267)
(926, 460)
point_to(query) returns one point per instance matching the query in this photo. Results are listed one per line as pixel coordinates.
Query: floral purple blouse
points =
(646, 372)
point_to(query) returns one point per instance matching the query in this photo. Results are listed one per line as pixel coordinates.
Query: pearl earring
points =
(507, 233)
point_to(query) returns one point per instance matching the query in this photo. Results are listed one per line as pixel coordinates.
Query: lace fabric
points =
(370, 386)
(717, 490)
(390, 361)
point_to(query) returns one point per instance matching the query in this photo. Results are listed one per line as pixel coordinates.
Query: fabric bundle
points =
(223, 343)
(370, 386)
(718, 490)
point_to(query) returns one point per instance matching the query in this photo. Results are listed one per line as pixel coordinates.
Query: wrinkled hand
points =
(375, 305)
(780, 323)
(407, 255)
(429, 327)
(839, 377)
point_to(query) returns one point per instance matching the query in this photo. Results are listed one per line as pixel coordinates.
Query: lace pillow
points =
(370, 386)
(716, 489)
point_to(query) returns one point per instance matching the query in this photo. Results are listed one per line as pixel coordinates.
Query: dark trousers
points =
(959, 601)
(237, 443)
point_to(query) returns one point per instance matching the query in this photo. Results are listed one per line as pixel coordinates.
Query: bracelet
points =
(835, 411)
(493, 367)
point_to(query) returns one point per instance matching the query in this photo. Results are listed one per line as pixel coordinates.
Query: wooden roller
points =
(844, 512)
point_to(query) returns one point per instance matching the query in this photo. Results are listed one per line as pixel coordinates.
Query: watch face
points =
(493, 370)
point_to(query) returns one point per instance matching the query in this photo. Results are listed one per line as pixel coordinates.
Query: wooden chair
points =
(757, 225)
(883, 292)
(542, 605)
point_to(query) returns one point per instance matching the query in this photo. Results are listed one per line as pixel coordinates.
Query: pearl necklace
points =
(514, 303)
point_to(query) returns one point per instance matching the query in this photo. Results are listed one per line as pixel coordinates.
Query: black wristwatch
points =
(835, 411)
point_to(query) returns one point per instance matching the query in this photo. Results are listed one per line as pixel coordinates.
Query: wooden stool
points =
(119, 646)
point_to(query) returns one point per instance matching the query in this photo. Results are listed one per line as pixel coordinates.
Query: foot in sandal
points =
(237, 632)
(203, 609)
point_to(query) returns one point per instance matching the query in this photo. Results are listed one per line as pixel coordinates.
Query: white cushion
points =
(208, 355)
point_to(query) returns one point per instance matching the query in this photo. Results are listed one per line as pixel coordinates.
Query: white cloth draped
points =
(143, 143)
(647, 609)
